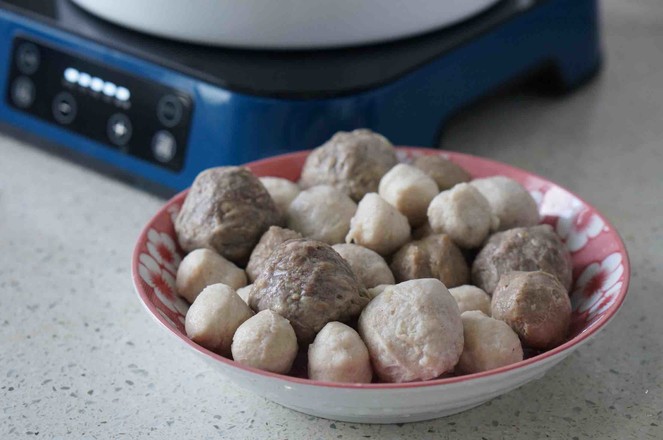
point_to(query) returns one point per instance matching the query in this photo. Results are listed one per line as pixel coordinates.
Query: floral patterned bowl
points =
(600, 271)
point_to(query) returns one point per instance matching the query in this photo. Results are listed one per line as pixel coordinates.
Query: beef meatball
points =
(352, 162)
(369, 266)
(322, 213)
(524, 249)
(310, 284)
(378, 226)
(214, 316)
(413, 331)
(274, 236)
(510, 201)
(444, 172)
(464, 214)
(535, 305)
(283, 191)
(471, 298)
(265, 341)
(410, 190)
(227, 209)
(435, 256)
(204, 267)
(339, 355)
(489, 344)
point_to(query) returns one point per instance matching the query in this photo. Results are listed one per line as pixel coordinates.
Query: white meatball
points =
(509, 200)
(375, 291)
(413, 331)
(283, 191)
(410, 190)
(443, 171)
(464, 214)
(245, 291)
(204, 267)
(322, 213)
(266, 341)
(489, 343)
(470, 298)
(369, 266)
(214, 316)
(339, 355)
(378, 226)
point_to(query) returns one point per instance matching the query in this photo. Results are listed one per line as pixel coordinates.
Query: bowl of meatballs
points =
(370, 283)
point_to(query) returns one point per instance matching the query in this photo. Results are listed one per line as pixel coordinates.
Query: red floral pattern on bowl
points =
(600, 268)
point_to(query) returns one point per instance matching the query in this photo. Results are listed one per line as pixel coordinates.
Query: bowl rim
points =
(567, 346)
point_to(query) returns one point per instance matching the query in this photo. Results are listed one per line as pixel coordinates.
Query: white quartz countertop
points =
(80, 358)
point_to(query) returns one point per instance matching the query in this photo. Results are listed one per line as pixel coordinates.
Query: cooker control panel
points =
(135, 116)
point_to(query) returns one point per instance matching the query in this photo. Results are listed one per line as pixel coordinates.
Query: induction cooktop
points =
(162, 110)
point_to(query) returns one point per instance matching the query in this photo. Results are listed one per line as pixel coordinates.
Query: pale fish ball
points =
(470, 297)
(375, 291)
(510, 201)
(204, 267)
(214, 316)
(369, 266)
(339, 355)
(283, 191)
(321, 213)
(379, 226)
(244, 292)
(413, 331)
(266, 341)
(489, 344)
(443, 171)
(410, 190)
(464, 214)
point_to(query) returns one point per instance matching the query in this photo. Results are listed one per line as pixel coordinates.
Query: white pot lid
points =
(284, 24)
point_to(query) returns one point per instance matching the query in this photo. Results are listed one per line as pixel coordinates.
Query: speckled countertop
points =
(79, 358)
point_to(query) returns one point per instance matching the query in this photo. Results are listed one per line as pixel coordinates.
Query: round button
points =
(119, 129)
(164, 146)
(169, 110)
(23, 92)
(27, 58)
(64, 108)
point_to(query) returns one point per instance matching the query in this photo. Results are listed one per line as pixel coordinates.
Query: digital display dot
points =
(109, 89)
(84, 79)
(122, 94)
(71, 75)
(97, 84)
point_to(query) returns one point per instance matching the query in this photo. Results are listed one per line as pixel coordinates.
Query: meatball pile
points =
(368, 269)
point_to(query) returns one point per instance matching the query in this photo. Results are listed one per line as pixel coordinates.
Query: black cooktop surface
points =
(283, 73)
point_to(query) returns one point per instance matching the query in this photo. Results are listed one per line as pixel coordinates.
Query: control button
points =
(64, 108)
(169, 110)
(23, 92)
(164, 146)
(119, 129)
(27, 58)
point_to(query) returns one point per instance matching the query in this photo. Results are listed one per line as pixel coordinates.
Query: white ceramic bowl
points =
(601, 276)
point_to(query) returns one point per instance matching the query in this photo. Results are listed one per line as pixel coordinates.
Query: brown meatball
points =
(227, 209)
(435, 256)
(310, 284)
(524, 249)
(353, 162)
(444, 172)
(535, 305)
(274, 236)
